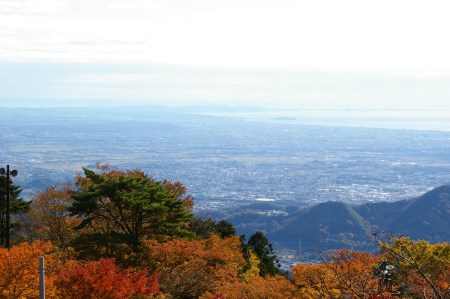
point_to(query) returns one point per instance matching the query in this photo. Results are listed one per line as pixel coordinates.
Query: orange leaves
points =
(179, 191)
(274, 287)
(210, 269)
(19, 276)
(183, 266)
(316, 280)
(103, 279)
(348, 272)
(51, 220)
(225, 258)
(228, 248)
(19, 270)
(355, 271)
(189, 268)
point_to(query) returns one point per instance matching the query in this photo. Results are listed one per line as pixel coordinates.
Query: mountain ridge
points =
(334, 224)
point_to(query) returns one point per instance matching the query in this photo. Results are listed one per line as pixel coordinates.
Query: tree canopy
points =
(50, 219)
(126, 208)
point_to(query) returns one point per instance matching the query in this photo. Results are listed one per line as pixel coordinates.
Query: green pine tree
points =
(123, 209)
(260, 245)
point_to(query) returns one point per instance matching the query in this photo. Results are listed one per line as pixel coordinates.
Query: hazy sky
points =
(317, 53)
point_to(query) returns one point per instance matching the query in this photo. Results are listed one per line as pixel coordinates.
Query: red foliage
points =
(104, 280)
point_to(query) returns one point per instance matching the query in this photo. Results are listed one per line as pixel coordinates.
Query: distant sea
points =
(438, 120)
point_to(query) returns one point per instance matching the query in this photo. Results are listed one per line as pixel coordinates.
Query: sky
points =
(384, 54)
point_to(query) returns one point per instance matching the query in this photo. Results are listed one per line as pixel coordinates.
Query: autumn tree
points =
(51, 220)
(316, 281)
(273, 287)
(103, 279)
(180, 192)
(423, 267)
(190, 268)
(342, 273)
(19, 270)
(16, 205)
(122, 209)
(251, 269)
(354, 271)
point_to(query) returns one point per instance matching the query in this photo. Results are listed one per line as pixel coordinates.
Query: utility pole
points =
(8, 173)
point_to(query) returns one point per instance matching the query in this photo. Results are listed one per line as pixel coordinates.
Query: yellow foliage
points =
(253, 271)
(424, 267)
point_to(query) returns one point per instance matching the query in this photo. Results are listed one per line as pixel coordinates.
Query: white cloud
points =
(30, 7)
(320, 34)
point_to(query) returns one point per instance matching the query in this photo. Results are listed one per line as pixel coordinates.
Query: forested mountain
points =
(333, 225)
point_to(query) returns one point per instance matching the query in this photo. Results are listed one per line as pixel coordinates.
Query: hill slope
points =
(333, 225)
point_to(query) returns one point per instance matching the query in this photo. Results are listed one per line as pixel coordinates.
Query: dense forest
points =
(122, 234)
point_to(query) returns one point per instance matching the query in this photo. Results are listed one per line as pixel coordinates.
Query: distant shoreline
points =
(430, 120)
(403, 119)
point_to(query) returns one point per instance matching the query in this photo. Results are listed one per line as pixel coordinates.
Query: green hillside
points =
(333, 225)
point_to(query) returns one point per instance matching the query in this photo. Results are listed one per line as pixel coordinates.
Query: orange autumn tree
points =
(50, 218)
(345, 272)
(190, 268)
(103, 280)
(180, 192)
(354, 270)
(316, 281)
(19, 276)
(19, 270)
(273, 287)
